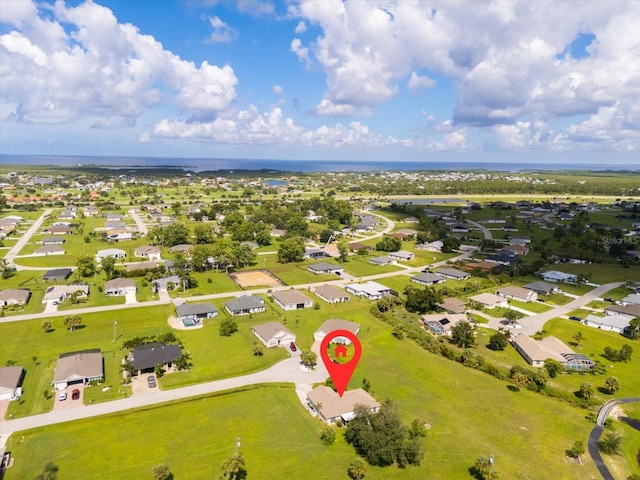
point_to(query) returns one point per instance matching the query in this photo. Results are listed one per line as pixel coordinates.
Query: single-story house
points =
(148, 252)
(383, 260)
(452, 305)
(410, 220)
(558, 277)
(355, 246)
(245, 305)
(336, 324)
(503, 257)
(512, 292)
(519, 240)
(14, 296)
(90, 210)
(183, 248)
(196, 311)
(52, 241)
(330, 406)
(146, 357)
(541, 288)
(613, 323)
(442, 323)
(402, 255)
(120, 286)
(536, 352)
(50, 250)
(453, 273)
(331, 294)
(78, 367)
(277, 232)
(435, 246)
(631, 299)
(631, 311)
(291, 299)
(458, 228)
(166, 283)
(274, 334)
(57, 274)
(316, 253)
(110, 252)
(60, 230)
(114, 217)
(370, 290)
(60, 293)
(119, 236)
(484, 266)
(428, 278)
(489, 300)
(516, 249)
(115, 225)
(132, 267)
(325, 267)
(10, 382)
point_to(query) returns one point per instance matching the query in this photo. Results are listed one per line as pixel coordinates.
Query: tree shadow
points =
(513, 388)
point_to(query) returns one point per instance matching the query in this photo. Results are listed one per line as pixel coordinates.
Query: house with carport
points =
(245, 305)
(291, 299)
(78, 368)
(274, 334)
(331, 407)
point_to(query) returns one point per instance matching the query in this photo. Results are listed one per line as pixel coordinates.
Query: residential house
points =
(519, 240)
(133, 267)
(90, 211)
(274, 334)
(59, 230)
(331, 407)
(196, 312)
(119, 287)
(116, 253)
(336, 324)
(536, 352)
(382, 261)
(435, 246)
(370, 290)
(277, 232)
(78, 367)
(14, 296)
(489, 300)
(458, 228)
(516, 249)
(316, 253)
(356, 246)
(503, 257)
(558, 277)
(613, 323)
(59, 293)
(49, 250)
(291, 299)
(56, 274)
(428, 278)
(411, 220)
(402, 255)
(10, 382)
(541, 288)
(442, 323)
(631, 299)
(245, 305)
(632, 311)
(452, 305)
(484, 266)
(166, 283)
(453, 273)
(146, 357)
(148, 252)
(520, 294)
(183, 248)
(52, 241)
(325, 267)
(331, 294)
(119, 236)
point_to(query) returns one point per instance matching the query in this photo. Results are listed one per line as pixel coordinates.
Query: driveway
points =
(130, 298)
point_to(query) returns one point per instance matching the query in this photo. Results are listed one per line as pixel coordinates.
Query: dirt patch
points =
(256, 278)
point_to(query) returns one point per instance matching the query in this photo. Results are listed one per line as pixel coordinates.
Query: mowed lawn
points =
(470, 414)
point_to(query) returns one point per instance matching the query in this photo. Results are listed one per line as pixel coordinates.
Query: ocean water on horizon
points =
(214, 164)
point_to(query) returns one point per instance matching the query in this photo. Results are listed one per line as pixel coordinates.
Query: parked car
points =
(293, 347)
(75, 394)
(151, 381)
(575, 318)
(62, 396)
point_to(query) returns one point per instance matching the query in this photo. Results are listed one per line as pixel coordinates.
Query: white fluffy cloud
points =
(222, 33)
(96, 68)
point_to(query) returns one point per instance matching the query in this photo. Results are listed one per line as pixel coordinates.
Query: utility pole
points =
(115, 325)
(237, 444)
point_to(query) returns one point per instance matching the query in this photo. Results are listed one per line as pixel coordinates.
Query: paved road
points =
(596, 433)
(142, 228)
(285, 371)
(22, 241)
(485, 231)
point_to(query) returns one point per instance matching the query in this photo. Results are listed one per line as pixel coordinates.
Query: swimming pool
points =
(187, 322)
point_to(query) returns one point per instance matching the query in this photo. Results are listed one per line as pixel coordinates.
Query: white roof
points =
(370, 288)
(614, 321)
(633, 298)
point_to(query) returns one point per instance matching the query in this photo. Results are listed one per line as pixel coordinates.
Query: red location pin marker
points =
(340, 372)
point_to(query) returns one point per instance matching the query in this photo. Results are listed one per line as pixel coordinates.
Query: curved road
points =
(596, 433)
(22, 241)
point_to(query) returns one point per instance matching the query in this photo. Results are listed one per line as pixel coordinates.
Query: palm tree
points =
(357, 469)
(233, 468)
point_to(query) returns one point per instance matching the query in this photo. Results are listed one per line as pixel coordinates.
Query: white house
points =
(402, 255)
(120, 286)
(331, 294)
(556, 276)
(110, 252)
(489, 300)
(291, 300)
(274, 334)
(632, 299)
(10, 381)
(613, 323)
(148, 252)
(369, 290)
(512, 292)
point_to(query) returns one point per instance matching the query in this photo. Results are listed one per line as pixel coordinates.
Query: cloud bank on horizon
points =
(321, 78)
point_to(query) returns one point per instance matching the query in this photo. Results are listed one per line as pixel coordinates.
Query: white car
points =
(62, 396)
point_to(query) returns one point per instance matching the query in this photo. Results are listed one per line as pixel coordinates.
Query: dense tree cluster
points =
(381, 438)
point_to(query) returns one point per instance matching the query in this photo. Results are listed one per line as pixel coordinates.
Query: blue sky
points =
(322, 79)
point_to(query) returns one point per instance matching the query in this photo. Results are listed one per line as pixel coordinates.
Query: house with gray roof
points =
(52, 241)
(612, 323)
(245, 305)
(291, 299)
(196, 311)
(632, 311)
(428, 278)
(631, 299)
(49, 250)
(116, 253)
(520, 294)
(146, 357)
(14, 296)
(453, 273)
(452, 305)
(442, 323)
(10, 382)
(402, 255)
(383, 260)
(541, 288)
(325, 267)
(120, 286)
(166, 283)
(78, 367)
(536, 352)
(56, 274)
